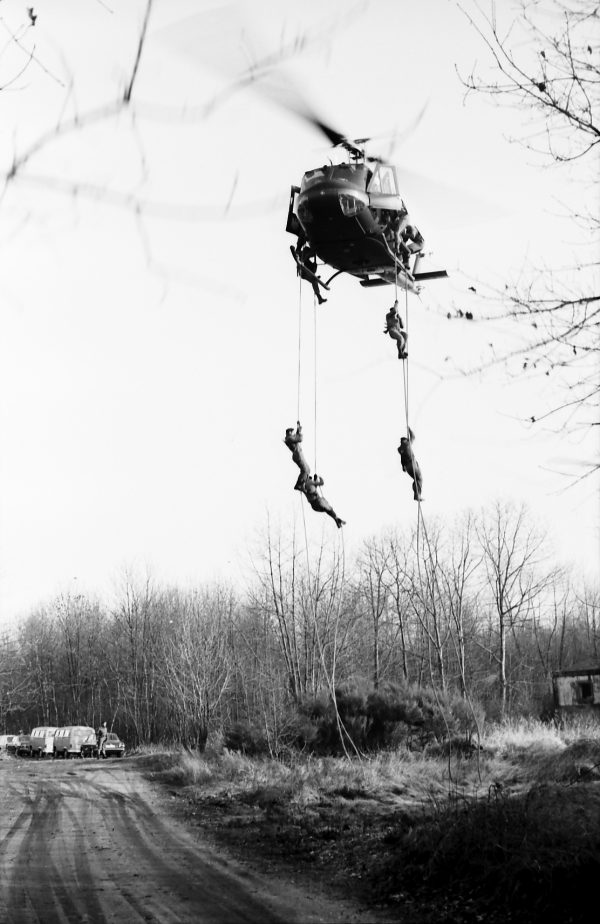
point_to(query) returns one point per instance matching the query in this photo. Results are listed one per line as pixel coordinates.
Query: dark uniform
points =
(101, 737)
(318, 502)
(307, 258)
(395, 328)
(292, 441)
(412, 241)
(410, 464)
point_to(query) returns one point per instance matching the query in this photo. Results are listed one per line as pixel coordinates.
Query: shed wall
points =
(580, 691)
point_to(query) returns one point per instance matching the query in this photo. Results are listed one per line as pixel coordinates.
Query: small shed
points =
(577, 689)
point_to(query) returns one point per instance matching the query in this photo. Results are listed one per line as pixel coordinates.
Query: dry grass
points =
(303, 779)
(513, 753)
(530, 857)
(512, 830)
(517, 739)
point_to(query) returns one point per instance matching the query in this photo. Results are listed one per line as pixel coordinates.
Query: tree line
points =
(475, 611)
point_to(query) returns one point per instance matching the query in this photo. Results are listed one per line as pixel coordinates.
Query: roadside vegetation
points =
(510, 832)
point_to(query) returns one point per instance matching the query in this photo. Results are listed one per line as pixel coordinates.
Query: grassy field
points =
(508, 832)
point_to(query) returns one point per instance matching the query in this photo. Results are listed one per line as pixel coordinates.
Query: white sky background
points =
(148, 366)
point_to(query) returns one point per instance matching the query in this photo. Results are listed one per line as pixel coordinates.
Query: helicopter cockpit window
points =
(384, 181)
(312, 177)
(356, 174)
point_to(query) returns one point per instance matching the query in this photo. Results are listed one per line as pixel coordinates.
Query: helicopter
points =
(353, 218)
(350, 215)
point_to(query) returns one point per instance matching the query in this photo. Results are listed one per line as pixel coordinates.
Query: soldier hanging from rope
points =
(410, 464)
(306, 262)
(317, 501)
(411, 241)
(395, 328)
(292, 441)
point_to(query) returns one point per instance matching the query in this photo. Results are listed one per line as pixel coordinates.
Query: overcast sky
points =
(149, 338)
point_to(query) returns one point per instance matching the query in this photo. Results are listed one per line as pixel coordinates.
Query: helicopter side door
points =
(293, 225)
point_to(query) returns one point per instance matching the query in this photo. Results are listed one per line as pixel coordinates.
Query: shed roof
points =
(578, 669)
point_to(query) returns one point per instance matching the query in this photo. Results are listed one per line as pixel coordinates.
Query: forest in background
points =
(425, 633)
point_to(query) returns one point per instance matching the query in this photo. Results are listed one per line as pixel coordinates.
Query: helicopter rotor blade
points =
(218, 40)
(399, 137)
(279, 88)
(444, 205)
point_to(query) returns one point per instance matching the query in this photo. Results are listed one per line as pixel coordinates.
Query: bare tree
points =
(138, 633)
(544, 61)
(16, 684)
(429, 602)
(282, 594)
(374, 564)
(456, 580)
(78, 122)
(517, 575)
(401, 596)
(17, 51)
(197, 663)
(589, 613)
(276, 597)
(555, 628)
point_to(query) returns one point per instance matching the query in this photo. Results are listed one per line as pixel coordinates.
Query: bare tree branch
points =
(547, 64)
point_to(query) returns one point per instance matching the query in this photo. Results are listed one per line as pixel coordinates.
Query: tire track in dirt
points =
(158, 848)
(65, 883)
(87, 842)
(46, 894)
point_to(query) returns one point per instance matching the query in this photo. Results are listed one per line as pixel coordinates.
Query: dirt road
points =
(92, 841)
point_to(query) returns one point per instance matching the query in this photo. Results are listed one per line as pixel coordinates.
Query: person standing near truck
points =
(101, 737)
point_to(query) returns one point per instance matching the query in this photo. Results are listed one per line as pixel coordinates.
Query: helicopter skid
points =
(388, 278)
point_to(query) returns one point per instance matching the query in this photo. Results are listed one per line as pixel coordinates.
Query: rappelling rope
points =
(299, 343)
(420, 520)
(430, 580)
(329, 678)
(406, 417)
(420, 517)
(405, 361)
(299, 377)
(316, 379)
(421, 525)
(343, 732)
